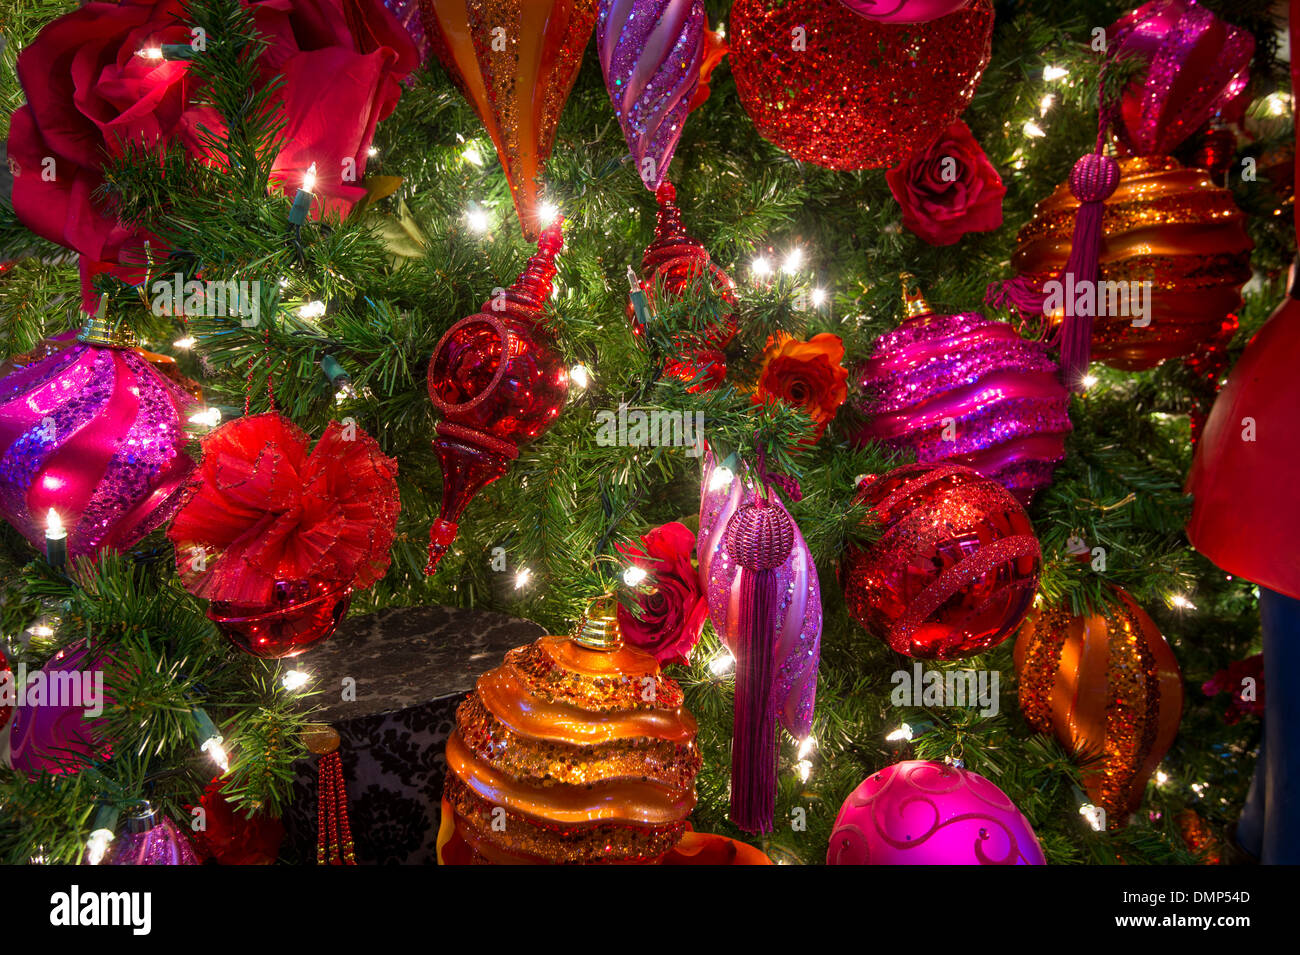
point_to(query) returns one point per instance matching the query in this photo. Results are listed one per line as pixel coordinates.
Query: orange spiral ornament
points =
(1165, 224)
(1109, 688)
(575, 750)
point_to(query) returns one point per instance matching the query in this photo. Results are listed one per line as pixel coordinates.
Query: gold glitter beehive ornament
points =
(1166, 224)
(1109, 687)
(575, 750)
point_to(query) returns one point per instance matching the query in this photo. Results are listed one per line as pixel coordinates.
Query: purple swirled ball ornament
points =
(919, 812)
(95, 433)
(798, 624)
(962, 389)
(150, 838)
(650, 53)
(53, 730)
(904, 11)
(1198, 64)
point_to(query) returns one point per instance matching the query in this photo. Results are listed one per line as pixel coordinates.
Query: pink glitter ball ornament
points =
(926, 813)
(96, 434)
(966, 390)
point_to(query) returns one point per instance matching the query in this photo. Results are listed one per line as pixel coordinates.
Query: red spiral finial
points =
(533, 287)
(673, 250)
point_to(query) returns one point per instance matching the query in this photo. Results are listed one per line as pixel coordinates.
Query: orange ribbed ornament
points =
(1108, 686)
(575, 750)
(1165, 224)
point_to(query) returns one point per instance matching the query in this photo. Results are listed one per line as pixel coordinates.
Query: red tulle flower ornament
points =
(231, 836)
(673, 613)
(264, 507)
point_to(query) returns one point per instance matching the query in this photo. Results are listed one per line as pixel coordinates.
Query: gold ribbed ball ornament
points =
(1166, 224)
(575, 750)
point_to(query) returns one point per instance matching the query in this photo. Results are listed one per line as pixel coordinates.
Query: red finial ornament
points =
(499, 383)
(673, 260)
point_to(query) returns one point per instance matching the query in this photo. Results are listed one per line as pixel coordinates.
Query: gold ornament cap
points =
(99, 330)
(914, 303)
(599, 629)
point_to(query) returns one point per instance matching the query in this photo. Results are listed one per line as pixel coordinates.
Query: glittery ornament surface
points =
(967, 390)
(836, 89)
(926, 813)
(588, 756)
(408, 15)
(955, 568)
(1109, 688)
(163, 844)
(1166, 225)
(904, 11)
(96, 434)
(798, 625)
(650, 53)
(515, 61)
(1197, 65)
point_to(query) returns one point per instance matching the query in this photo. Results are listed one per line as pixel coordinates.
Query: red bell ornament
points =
(955, 568)
(499, 382)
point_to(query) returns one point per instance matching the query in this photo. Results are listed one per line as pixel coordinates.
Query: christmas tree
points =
(273, 221)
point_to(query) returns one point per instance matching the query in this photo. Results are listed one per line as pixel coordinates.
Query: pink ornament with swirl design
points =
(904, 11)
(650, 53)
(926, 813)
(95, 433)
(1198, 65)
(799, 621)
(963, 389)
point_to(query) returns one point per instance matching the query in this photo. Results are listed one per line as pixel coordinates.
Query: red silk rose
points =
(948, 189)
(808, 375)
(673, 614)
(261, 509)
(233, 837)
(88, 94)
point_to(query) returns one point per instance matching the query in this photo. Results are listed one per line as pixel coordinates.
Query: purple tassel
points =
(1092, 181)
(759, 538)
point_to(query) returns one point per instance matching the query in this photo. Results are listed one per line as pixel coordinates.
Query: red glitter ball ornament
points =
(836, 89)
(955, 568)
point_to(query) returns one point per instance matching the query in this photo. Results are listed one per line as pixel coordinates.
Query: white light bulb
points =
(150, 53)
(722, 664)
(1033, 130)
(472, 155)
(294, 679)
(522, 577)
(1089, 381)
(634, 576)
(580, 375)
(97, 846)
(793, 259)
(372, 152)
(309, 178)
(806, 746)
(478, 219)
(1046, 103)
(722, 477)
(761, 266)
(547, 212)
(207, 418)
(1051, 73)
(804, 769)
(189, 341)
(818, 297)
(904, 732)
(216, 752)
(313, 309)
(1161, 777)
(1095, 816)
(1181, 602)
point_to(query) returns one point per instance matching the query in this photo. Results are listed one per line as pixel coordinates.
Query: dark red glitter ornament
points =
(955, 568)
(836, 89)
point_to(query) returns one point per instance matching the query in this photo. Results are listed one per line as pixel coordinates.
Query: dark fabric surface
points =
(411, 667)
